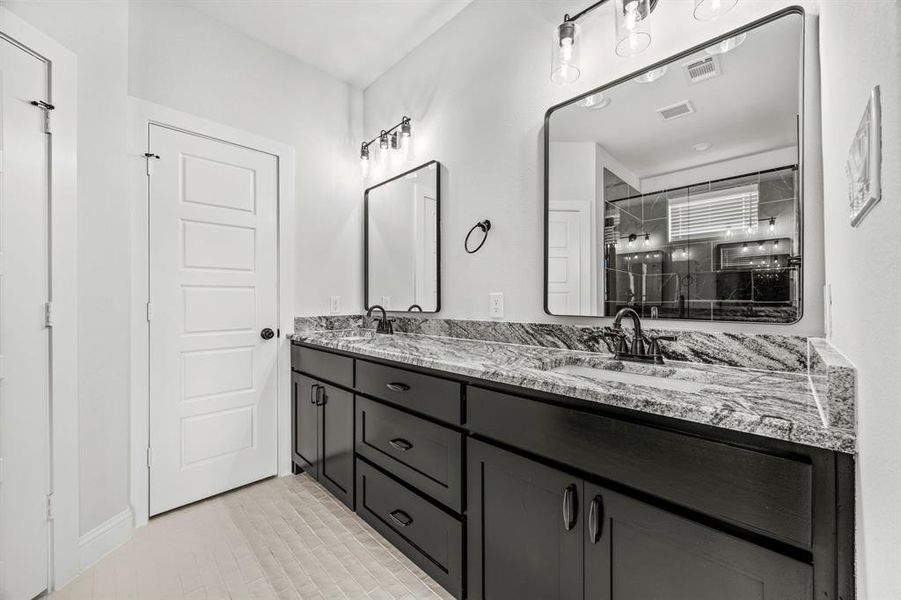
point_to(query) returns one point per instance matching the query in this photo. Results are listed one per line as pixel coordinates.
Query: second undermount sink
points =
(605, 374)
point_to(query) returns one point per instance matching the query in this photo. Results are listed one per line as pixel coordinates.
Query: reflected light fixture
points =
(647, 239)
(396, 138)
(632, 238)
(651, 76)
(594, 101)
(772, 224)
(727, 45)
(708, 10)
(633, 35)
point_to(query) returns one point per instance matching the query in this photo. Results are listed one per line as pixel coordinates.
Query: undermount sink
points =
(602, 374)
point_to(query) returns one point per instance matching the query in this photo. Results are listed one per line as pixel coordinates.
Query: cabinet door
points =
(336, 437)
(634, 551)
(305, 415)
(524, 528)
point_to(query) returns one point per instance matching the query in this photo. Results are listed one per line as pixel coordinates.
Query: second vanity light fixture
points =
(633, 33)
(397, 138)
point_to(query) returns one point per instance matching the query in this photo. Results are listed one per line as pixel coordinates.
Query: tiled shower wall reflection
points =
(687, 253)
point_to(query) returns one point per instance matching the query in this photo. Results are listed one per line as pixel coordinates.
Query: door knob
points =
(267, 334)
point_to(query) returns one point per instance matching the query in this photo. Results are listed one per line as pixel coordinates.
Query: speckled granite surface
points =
(834, 381)
(755, 351)
(774, 404)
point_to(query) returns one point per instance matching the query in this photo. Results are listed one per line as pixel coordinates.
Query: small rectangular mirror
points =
(677, 190)
(402, 241)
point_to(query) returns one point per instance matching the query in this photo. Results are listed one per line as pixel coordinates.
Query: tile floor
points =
(280, 538)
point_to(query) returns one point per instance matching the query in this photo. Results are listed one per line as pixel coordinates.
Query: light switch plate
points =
(334, 305)
(496, 305)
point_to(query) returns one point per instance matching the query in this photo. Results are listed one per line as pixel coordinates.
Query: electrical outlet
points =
(386, 302)
(496, 305)
(334, 305)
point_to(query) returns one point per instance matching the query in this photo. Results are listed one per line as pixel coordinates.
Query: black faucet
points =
(637, 350)
(385, 325)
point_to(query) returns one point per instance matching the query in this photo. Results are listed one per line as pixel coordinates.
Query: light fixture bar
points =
(404, 126)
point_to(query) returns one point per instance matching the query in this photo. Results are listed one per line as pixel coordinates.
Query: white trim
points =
(140, 114)
(64, 265)
(104, 538)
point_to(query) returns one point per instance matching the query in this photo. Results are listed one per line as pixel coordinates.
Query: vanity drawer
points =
(426, 534)
(433, 396)
(760, 492)
(423, 454)
(323, 365)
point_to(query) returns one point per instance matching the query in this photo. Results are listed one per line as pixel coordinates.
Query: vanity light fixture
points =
(708, 10)
(632, 238)
(633, 35)
(772, 224)
(647, 240)
(396, 138)
(744, 247)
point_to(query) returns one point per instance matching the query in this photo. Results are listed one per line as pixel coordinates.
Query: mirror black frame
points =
(796, 10)
(437, 234)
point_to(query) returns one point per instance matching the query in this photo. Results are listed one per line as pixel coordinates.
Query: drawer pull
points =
(595, 519)
(569, 508)
(397, 387)
(400, 517)
(400, 444)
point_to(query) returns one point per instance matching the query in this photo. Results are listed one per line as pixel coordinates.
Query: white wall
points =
(861, 48)
(477, 92)
(183, 59)
(97, 33)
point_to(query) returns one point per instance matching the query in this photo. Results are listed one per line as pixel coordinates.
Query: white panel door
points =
(24, 339)
(213, 289)
(569, 259)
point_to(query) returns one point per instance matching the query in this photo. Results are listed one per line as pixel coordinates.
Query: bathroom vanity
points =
(510, 471)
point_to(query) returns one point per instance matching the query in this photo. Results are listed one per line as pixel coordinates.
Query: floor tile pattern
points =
(280, 538)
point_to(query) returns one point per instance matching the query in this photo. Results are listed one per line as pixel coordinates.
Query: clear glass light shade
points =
(707, 10)
(565, 53)
(633, 27)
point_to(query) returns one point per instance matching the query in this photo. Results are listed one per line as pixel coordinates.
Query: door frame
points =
(142, 114)
(63, 548)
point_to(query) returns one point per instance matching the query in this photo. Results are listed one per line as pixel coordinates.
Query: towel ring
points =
(484, 226)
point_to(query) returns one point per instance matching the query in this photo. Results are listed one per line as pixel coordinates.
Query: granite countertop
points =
(774, 404)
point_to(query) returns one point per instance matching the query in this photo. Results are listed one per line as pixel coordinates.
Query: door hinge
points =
(149, 312)
(50, 507)
(48, 314)
(46, 107)
(148, 457)
(150, 156)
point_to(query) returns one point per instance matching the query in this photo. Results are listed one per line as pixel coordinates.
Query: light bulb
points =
(633, 33)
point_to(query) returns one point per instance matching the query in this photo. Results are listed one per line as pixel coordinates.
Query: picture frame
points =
(864, 165)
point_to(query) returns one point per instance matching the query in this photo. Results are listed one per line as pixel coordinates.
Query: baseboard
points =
(104, 538)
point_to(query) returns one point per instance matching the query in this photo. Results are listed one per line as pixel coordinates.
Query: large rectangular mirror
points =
(677, 190)
(402, 241)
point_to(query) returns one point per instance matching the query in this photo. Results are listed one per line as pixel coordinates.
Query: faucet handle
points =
(654, 349)
(616, 334)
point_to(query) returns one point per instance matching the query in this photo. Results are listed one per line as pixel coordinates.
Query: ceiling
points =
(353, 40)
(749, 109)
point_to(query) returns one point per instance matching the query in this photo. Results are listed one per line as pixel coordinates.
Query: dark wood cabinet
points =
(324, 434)
(524, 528)
(634, 551)
(537, 532)
(685, 512)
